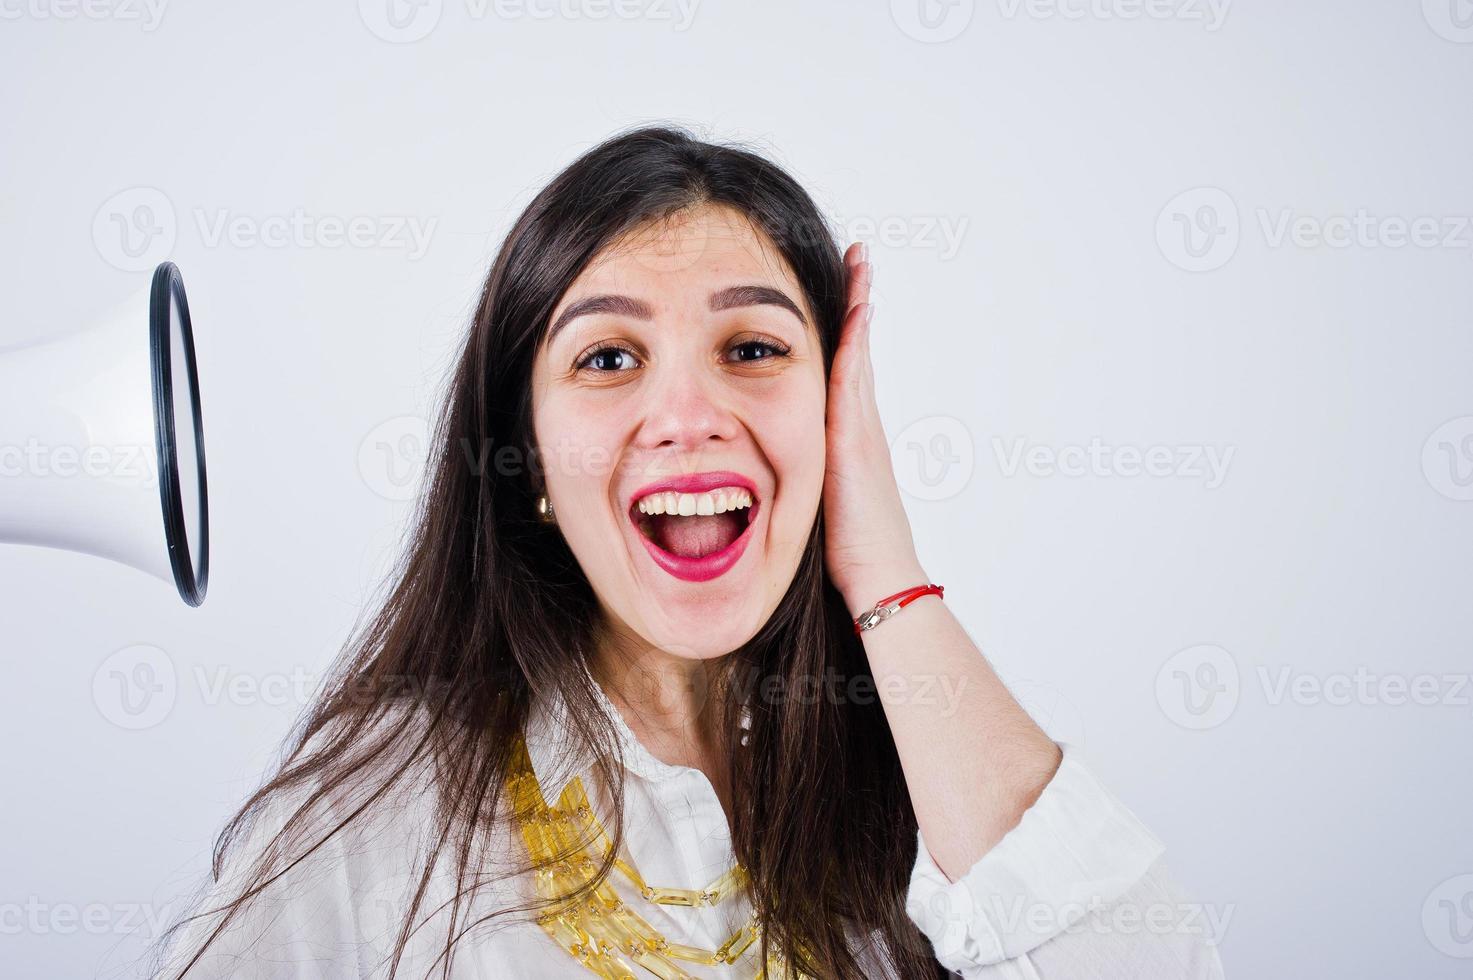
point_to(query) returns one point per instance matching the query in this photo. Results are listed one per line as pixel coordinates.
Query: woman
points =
(618, 716)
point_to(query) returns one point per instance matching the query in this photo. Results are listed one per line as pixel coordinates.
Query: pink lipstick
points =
(706, 567)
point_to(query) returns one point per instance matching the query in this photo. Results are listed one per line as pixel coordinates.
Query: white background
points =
(1073, 147)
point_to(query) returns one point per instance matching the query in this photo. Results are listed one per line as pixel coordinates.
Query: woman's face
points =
(682, 372)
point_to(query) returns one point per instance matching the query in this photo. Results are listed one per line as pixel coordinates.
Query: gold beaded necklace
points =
(603, 933)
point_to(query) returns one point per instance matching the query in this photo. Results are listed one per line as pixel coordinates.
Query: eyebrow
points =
(725, 299)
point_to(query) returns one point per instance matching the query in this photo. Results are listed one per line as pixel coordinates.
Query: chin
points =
(705, 631)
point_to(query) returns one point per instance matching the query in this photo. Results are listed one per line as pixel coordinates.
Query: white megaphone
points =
(101, 445)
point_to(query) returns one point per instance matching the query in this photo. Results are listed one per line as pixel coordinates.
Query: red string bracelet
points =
(890, 605)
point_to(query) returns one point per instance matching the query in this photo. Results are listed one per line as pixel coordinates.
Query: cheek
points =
(577, 451)
(791, 431)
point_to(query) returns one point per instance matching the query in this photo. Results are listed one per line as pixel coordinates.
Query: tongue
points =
(696, 536)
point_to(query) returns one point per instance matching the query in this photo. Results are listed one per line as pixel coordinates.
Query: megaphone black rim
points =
(167, 284)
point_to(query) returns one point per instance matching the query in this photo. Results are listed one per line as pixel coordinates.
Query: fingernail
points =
(864, 251)
(869, 312)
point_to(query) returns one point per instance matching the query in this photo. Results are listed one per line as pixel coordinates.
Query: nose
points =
(686, 412)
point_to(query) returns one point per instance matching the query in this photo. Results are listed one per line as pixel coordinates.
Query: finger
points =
(866, 359)
(859, 285)
(858, 296)
(860, 274)
(864, 335)
(853, 260)
(853, 326)
(854, 289)
(849, 354)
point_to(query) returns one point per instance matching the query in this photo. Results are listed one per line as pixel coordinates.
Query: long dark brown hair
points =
(488, 610)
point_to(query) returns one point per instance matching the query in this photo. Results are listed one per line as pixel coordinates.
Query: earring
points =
(544, 509)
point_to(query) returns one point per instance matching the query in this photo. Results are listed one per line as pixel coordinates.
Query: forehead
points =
(684, 257)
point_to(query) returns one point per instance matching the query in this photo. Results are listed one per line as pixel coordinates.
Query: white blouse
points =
(1077, 890)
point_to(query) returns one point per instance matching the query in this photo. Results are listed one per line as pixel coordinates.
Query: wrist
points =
(865, 589)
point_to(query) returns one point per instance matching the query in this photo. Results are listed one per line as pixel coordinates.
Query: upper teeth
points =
(717, 501)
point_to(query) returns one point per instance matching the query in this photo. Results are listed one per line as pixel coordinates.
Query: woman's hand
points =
(973, 767)
(867, 542)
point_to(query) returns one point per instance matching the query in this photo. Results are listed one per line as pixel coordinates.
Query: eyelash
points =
(778, 349)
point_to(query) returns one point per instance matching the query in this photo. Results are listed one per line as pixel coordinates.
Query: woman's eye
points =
(753, 349)
(608, 360)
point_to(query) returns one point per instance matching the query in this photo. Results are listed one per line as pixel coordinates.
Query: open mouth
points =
(696, 533)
